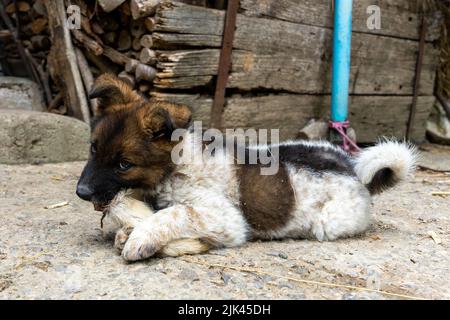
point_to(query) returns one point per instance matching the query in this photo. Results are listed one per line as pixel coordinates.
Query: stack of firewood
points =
(26, 42)
(116, 37)
(118, 41)
(34, 35)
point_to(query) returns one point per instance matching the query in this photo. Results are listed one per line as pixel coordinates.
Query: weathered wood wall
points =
(370, 116)
(281, 64)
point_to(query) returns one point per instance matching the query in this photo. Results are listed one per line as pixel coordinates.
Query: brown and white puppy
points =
(319, 192)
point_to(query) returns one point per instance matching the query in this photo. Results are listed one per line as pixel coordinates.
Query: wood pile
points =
(25, 53)
(116, 37)
(281, 60)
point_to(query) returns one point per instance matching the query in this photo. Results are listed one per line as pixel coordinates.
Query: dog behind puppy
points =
(319, 192)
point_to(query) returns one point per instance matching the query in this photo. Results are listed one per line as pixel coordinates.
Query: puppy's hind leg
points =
(182, 247)
(175, 248)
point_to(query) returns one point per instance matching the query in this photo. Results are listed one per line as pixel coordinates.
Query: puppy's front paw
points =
(139, 246)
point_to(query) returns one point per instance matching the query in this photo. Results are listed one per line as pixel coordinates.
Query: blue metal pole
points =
(342, 36)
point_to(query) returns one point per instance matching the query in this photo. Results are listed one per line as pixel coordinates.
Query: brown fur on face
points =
(129, 130)
(113, 94)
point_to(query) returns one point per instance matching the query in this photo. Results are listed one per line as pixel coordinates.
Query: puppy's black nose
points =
(84, 192)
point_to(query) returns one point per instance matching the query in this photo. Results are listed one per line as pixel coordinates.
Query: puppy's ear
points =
(163, 117)
(113, 94)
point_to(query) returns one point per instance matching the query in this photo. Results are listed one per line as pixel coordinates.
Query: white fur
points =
(126, 211)
(399, 157)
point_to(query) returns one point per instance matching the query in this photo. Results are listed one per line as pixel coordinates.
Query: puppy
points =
(318, 192)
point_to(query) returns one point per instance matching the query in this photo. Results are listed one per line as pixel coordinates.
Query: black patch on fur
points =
(382, 180)
(316, 158)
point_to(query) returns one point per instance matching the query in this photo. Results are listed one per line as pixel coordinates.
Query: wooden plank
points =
(63, 63)
(282, 55)
(194, 19)
(399, 18)
(372, 117)
(200, 105)
(379, 67)
(174, 40)
(174, 17)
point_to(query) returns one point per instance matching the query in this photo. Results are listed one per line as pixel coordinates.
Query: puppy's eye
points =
(93, 148)
(124, 165)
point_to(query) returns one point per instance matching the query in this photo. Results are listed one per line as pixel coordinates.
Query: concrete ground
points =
(62, 253)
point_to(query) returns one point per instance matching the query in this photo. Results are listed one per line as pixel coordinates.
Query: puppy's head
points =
(130, 141)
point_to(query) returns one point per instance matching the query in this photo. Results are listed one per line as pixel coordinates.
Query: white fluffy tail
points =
(383, 166)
